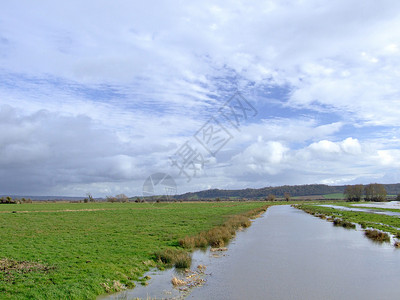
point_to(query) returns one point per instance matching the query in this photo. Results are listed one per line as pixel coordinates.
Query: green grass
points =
(338, 196)
(381, 222)
(80, 254)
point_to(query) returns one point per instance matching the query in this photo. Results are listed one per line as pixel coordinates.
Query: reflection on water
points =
(288, 254)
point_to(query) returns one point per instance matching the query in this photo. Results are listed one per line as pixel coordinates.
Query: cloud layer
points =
(95, 98)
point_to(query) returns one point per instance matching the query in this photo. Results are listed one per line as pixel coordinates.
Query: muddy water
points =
(288, 254)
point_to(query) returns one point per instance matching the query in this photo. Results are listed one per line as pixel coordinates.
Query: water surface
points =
(288, 254)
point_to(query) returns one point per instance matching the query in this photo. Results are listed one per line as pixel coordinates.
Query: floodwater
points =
(288, 254)
(372, 211)
(390, 204)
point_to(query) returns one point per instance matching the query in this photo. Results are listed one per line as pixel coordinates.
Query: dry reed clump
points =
(115, 286)
(377, 236)
(219, 249)
(174, 257)
(219, 236)
(177, 282)
(201, 268)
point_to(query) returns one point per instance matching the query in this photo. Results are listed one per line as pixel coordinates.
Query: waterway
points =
(288, 254)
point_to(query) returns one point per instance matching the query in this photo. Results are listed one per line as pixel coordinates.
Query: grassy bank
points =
(79, 251)
(219, 236)
(366, 220)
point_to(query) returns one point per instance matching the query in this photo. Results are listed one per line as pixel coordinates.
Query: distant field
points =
(334, 196)
(71, 251)
(338, 196)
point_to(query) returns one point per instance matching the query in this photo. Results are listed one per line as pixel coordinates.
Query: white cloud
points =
(348, 146)
(351, 146)
(389, 158)
(261, 157)
(101, 94)
(325, 147)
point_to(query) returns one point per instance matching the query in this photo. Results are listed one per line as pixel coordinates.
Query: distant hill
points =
(279, 191)
(261, 193)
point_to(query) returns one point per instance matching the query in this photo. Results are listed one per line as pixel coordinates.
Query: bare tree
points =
(286, 196)
(89, 198)
(354, 192)
(375, 192)
(122, 198)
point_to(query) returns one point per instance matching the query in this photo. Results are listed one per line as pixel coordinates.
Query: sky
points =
(97, 96)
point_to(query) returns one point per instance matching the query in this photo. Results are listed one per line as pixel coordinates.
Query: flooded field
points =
(389, 205)
(372, 211)
(287, 254)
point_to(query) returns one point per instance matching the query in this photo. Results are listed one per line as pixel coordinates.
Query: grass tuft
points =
(344, 224)
(377, 236)
(174, 257)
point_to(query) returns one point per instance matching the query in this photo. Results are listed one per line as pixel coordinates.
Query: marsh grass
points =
(344, 224)
(363, 225)
(377, 236)
(178, 258)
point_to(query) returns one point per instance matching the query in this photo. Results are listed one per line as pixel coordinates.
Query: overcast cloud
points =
(97, 96)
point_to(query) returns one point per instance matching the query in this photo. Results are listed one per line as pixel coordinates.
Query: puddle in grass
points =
(288, 254)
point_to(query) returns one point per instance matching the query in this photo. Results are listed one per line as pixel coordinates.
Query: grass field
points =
(338, 196)
(79, 251)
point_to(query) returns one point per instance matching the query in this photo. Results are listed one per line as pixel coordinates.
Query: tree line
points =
(278, 191)
(370, 192)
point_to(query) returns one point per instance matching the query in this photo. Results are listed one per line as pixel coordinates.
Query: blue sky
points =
(96, 97)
